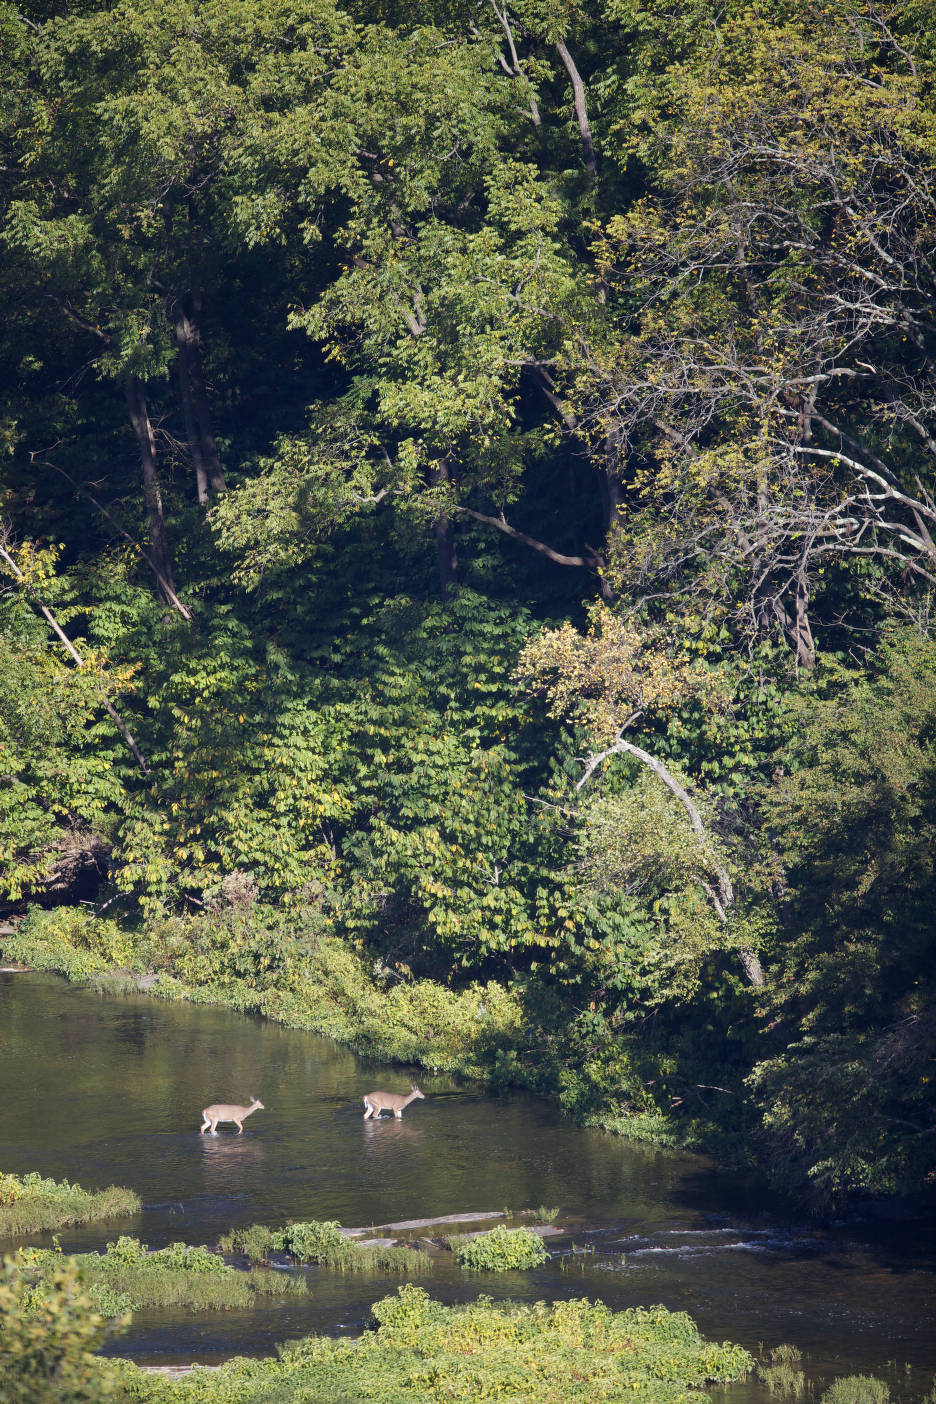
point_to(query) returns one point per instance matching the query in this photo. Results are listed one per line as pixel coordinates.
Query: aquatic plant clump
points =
(574, 1352)
(784, 1375)
(501, 1250)
(857, 1389)
(128, 1276)
(324, 1243)
(32, 1204)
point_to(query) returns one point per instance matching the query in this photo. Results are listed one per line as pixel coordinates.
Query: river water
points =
(109, 1090)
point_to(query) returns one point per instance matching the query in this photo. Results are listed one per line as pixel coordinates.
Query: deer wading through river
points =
(226, 1111)
(376, 1102)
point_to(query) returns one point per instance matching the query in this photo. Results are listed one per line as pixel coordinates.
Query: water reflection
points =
(389, 1136)
(229, 1160)
(692, 1238)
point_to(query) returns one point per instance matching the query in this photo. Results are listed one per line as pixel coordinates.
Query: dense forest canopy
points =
(467, 495)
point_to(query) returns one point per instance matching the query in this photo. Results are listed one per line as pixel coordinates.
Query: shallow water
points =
(109, 1090)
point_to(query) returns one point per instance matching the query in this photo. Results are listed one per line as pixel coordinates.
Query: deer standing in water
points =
(376, 1102)
(225, 1111)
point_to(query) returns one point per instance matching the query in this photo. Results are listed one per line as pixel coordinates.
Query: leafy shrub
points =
(177, 1257)
(73, 941)
(501, 1250)
(47, 1343)
(313, 1242)
(534, 1354)
(857, 1389)
(108, 1303)
(32, 1204)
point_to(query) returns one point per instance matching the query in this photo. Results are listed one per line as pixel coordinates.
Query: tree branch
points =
(48, 615)
(589, 563)
(581, 111)
(724, 898)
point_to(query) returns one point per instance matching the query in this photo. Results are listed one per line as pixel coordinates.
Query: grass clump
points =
(501, 1250)
(783, 1374)
(574, 1352)
(322, 1242)
(857, 1389)
(128, 1276)
(32, 1204)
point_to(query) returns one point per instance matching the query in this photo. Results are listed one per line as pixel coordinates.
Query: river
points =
(109, 1090)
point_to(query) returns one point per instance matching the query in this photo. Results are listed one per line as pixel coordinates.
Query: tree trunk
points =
(581, 111)
(446, 557)
(805, 644)
(197, 410)
(152, 493)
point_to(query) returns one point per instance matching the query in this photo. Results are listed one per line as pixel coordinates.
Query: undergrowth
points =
(857, 1389)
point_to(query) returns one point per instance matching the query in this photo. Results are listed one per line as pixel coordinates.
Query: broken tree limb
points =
(724, 897)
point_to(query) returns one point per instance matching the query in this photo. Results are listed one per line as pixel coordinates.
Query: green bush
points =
(177, 1257)
(501, 1250)
(32, 1204)
(107, 1302)
(47, 1340)
(574, 1352)
(857, 1389)
(75, 942)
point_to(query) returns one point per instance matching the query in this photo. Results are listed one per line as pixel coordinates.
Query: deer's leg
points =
(214, 1128)
(205, 1124)
(239, 1125)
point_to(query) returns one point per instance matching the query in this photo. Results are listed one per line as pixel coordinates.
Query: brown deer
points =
(225, 1111)
(376, 1102)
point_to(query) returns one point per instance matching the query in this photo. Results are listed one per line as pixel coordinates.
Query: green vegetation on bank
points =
(417, 1350)
(280, 964)
(31, 1204)
(468, 495)
(576, 1351)
(323, 1243)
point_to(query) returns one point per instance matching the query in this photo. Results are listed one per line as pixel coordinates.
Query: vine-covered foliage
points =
(466, 542)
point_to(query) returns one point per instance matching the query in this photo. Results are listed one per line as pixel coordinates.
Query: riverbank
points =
(647, 1225)
(416, 1350)
(305, 980)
